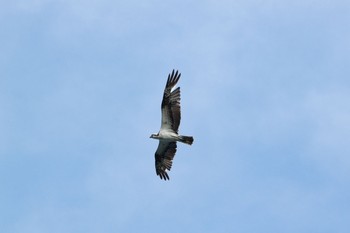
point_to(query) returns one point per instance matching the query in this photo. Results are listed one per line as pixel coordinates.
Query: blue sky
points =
(265, 93)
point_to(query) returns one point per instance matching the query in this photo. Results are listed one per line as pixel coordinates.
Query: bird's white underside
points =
(168, 135)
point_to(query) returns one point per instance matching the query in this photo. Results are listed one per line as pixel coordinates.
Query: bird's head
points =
(153, 135)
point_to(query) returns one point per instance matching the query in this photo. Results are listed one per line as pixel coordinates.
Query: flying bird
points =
(168, 133)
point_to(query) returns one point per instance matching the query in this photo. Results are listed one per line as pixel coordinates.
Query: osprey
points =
(168, 133)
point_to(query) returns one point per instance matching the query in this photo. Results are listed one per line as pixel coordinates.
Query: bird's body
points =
(168, 133)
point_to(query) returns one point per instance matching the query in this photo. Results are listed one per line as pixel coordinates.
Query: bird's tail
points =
(186, 139)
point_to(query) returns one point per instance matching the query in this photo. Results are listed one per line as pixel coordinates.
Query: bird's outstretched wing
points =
(164, 158)
(171, 111)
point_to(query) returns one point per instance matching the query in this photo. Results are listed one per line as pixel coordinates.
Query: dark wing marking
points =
(171, 111)
(164, 155)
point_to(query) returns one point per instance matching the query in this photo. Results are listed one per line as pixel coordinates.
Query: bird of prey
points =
(168, 133)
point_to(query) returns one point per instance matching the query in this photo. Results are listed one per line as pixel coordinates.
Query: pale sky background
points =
(265, 93)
